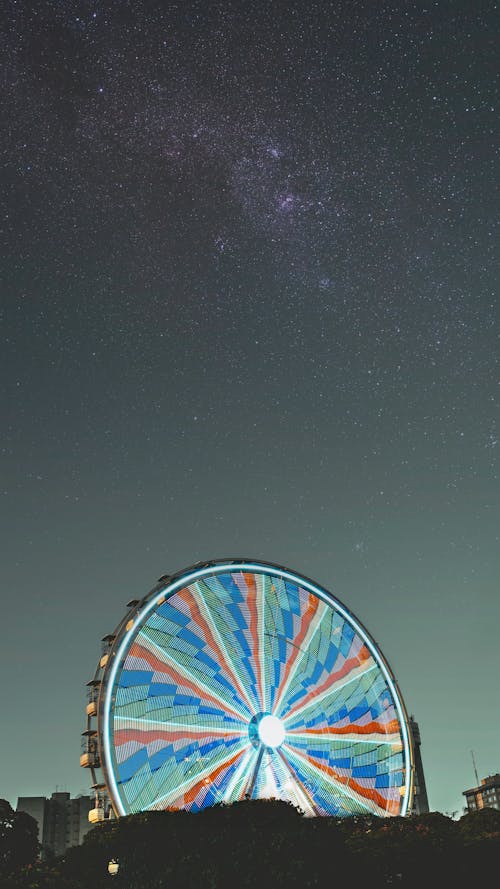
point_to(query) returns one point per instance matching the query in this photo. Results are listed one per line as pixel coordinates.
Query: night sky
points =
(250, 308)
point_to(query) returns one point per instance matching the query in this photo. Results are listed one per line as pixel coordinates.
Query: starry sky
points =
(250, 307)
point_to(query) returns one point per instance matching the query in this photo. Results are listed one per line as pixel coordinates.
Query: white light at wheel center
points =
(271, 731)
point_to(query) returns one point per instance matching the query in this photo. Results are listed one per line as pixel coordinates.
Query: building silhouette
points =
(486, 795)
(62, 821)
(420, 801)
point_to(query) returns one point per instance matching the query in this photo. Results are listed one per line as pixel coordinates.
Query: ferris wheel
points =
(241, 679)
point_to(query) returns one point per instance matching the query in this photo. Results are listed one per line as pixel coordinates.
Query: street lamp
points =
(113, 867)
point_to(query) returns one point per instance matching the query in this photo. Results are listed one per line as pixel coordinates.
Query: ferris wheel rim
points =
(167, 586)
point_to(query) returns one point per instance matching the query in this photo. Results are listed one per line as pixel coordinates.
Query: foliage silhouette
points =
(259, 842)
(19, 844)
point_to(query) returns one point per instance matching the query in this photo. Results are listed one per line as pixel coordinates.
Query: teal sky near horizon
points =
(250, 286)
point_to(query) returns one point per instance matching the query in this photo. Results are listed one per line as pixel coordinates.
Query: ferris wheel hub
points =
(271, 731)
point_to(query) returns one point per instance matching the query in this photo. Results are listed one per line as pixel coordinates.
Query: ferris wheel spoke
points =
(256, 628)
(371, 735)
(176, 725)
(162, 662)
(291, 786)
(309, 627)
(255, 771)
(193, 598)
(236, 787)
(294, 789)
(346, 787)
(244, 646)
(331, 687)
(263, 609)
(171, 734)
(305, 683)
(190, 787)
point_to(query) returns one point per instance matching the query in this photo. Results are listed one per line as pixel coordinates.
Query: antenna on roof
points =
(475, 768)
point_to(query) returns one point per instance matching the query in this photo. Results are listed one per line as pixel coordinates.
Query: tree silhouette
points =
(264, 842)
(18, 839)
